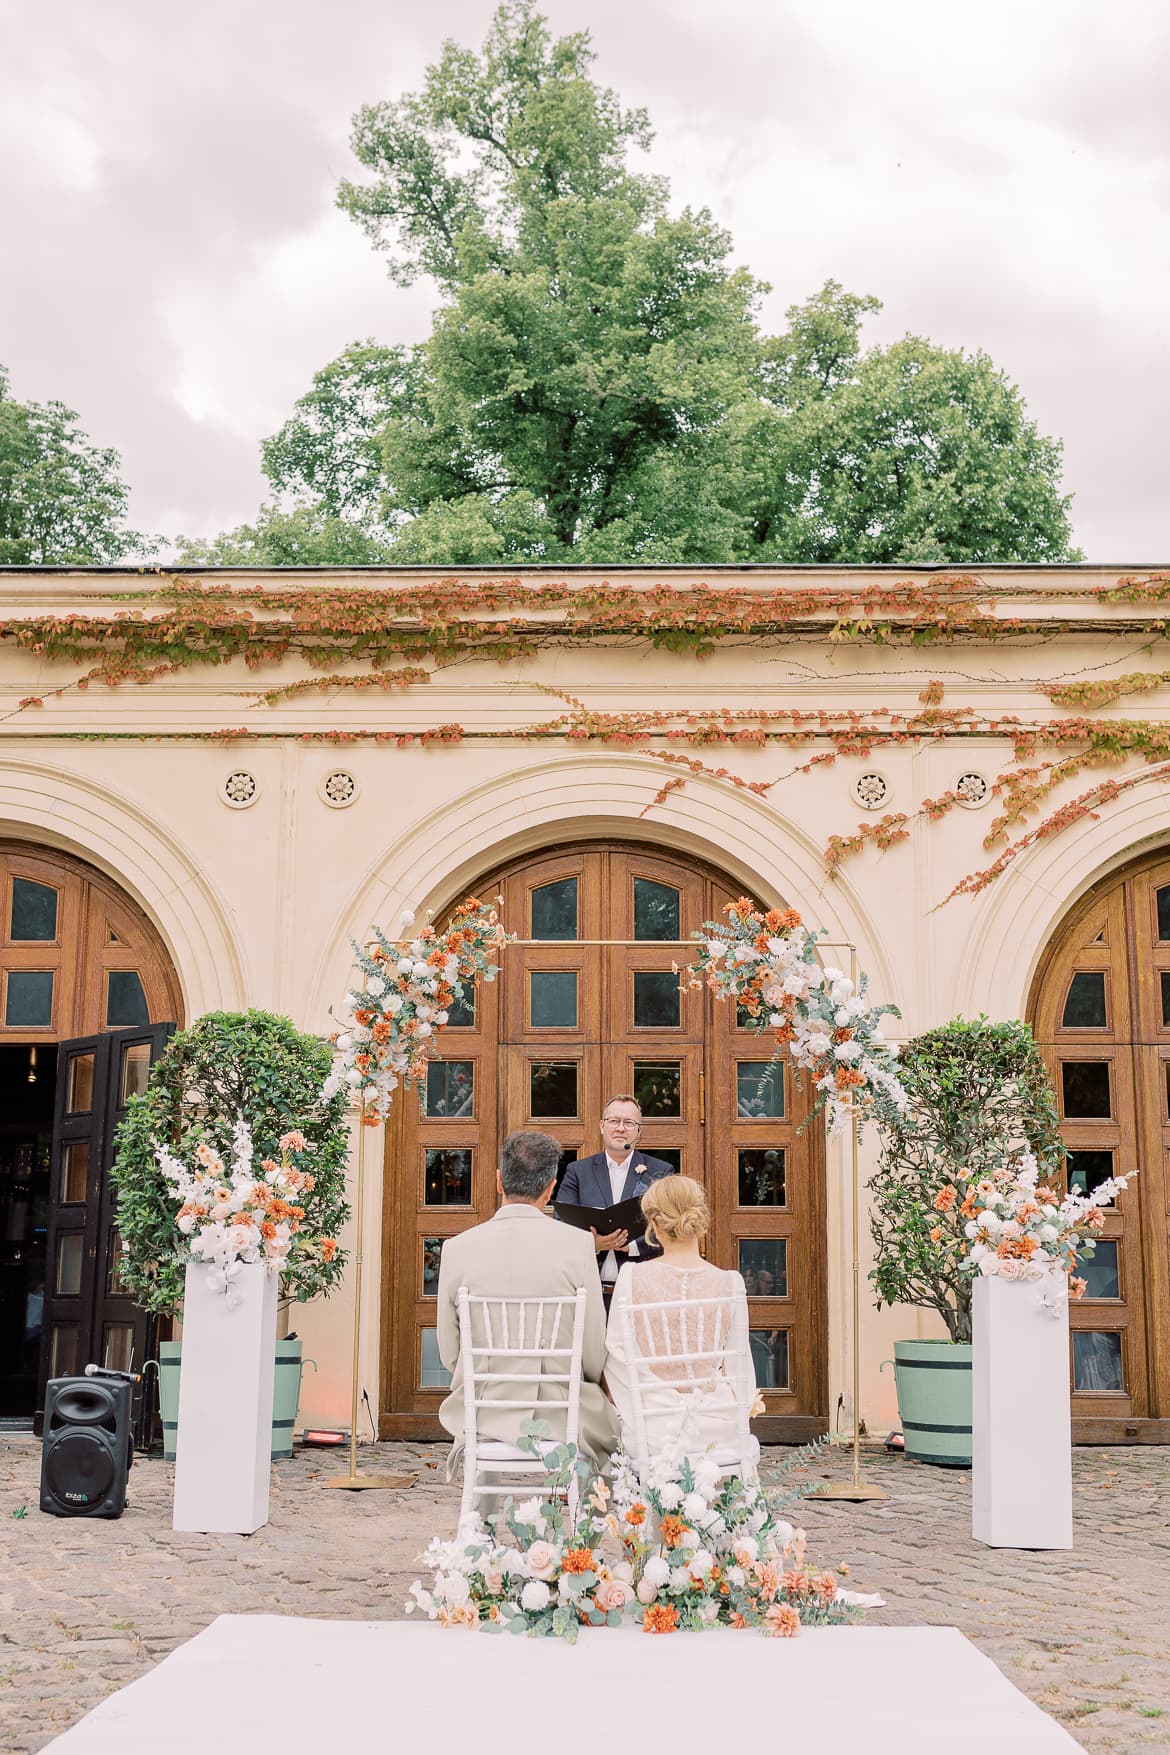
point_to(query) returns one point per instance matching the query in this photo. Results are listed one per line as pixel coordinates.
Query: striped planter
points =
(934, 1401)
(285, 1395)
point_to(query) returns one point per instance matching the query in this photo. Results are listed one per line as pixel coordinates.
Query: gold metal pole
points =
(353, 1481)
(855, 1490)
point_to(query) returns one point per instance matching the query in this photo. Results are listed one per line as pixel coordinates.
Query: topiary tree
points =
(229, 1064)
(978, 1094)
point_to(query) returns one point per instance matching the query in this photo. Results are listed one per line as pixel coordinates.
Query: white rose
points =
(535, 1596)
(420, 969)
(343, 1043)
(453, 1588)
(529, 1511)
(376, 986)
(393, 1005)
(353, 1076)
(646, 1591)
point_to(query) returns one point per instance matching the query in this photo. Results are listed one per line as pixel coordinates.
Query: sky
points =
(175, 267)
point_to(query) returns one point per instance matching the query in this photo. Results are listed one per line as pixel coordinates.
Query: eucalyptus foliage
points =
(978, 1093)
(228, 1064)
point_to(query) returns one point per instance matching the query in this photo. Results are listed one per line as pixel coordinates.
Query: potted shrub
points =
(228, 1065)
(977, 1095)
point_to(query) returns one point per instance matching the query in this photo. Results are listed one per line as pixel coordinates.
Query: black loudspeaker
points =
(87, 1448)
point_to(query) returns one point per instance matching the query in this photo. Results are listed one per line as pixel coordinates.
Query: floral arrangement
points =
(387, 1037)
(768, 965)
(233, 1215)
(1019, 1228)
(683, 1549)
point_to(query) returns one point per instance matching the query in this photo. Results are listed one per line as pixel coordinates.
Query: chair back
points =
(521, 1356)
(690, 1344)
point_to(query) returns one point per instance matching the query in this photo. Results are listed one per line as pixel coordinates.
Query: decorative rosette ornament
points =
(767, 964)
(388, 1032)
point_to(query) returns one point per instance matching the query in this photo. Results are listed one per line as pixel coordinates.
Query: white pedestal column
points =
(1021, 1471)
(224, 1442)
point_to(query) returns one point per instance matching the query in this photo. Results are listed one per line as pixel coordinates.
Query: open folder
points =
(625, 1216)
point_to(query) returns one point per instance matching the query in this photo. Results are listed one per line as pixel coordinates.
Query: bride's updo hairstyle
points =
(675, 1208)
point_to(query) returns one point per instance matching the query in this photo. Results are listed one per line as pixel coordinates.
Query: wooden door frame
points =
(1126, 1044)
(399, 1303)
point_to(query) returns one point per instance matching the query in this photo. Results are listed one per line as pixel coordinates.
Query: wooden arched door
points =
(88, 995)
(589, 1006)
(1100, 1011)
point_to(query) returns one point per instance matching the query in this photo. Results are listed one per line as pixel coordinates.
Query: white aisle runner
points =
(252, 1683)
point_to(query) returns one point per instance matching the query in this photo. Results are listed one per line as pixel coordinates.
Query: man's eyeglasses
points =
(620, 1121)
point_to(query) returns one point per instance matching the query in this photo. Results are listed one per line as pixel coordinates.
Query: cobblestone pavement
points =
(87, 1606)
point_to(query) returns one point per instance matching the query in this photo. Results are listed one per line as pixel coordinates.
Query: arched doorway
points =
(1100, 1010)
(574, 1018)
(88, 994)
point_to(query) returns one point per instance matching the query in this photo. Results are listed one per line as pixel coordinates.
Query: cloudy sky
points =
(999, 176)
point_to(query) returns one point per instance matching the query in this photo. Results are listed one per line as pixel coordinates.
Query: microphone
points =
(105, 1371)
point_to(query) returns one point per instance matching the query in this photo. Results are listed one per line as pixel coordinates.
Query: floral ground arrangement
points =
(681, 1549)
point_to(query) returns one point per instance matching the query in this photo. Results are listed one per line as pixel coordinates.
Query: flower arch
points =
(766, 963)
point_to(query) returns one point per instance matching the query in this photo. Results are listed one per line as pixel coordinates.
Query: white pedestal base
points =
(1021, 1470)
(224, 1442)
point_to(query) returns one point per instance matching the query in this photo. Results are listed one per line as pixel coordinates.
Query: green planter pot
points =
(286, 1395)
(934, 1401)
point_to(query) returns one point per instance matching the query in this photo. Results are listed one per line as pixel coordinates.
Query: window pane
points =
(763, 1262)
(450, 1088)
(114, 1282)
(135, 1071)
(29, 999)
(1097, 1361)
(80, 1083)
(761, 1177)
(1100, 1272)
(655, 910)
(118, 1346)
(658, 1087)
(1164, 977)
(744, 1020)
(1086, 1089)
(69, 1252)
(74, 1171)
(461, 1012)
(63, 1350)
(1163, 900)
(553, 999)
(34, 911)
(125, 999)
(447, 1178)
(671, 1155)
(657, 1000)
(770, 1357)
(1088, 1170)
(1084, 1009)
(432, 1250)
(433, 1373)
(553, 1088)
(554, 910)
(759, 1090)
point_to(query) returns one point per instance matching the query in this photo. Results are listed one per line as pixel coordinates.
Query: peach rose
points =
(541, 1560)
(611, 1595)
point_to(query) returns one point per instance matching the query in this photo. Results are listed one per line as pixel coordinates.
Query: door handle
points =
(702, 1099)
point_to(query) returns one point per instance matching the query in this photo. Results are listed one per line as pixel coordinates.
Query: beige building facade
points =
(212, 849)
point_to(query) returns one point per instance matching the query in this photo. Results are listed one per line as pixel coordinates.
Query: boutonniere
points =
(639, 1169)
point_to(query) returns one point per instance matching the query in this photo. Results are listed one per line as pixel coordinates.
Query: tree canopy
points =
(596, 386)
(62, 499)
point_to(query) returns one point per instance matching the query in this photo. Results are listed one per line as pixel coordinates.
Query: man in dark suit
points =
(618, 1172)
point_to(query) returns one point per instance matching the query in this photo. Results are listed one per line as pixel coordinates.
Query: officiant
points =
(618, 1172)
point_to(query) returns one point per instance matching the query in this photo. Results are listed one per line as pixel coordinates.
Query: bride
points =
(688, 1406)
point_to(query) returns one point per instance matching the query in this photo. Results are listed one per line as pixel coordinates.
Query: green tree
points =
(905, 453)
(62, 500)
(595, 386)
(978, 1094)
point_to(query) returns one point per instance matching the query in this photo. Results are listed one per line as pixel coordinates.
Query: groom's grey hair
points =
(528, 1163)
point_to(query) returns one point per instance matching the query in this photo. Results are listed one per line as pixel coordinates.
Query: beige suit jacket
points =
(523, 1253)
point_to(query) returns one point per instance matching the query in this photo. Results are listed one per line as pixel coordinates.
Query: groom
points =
(618, 1172)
